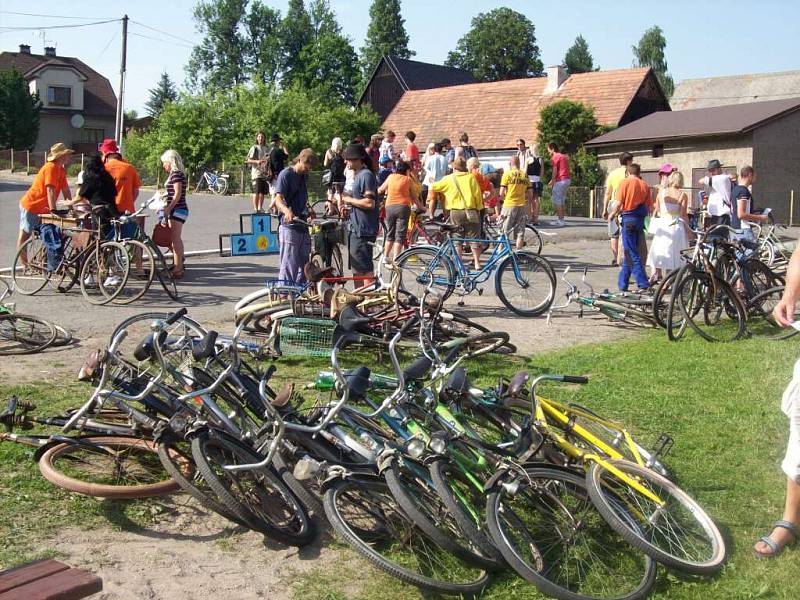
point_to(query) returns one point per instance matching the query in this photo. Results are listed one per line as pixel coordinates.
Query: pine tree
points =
(386, 34)
(160, 95)
(650, 53)
(19, 112)
(578, 59)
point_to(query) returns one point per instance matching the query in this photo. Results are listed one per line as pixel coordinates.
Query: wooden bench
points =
(47, 580)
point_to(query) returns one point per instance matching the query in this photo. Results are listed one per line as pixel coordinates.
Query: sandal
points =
(177, 274)
(775, 549)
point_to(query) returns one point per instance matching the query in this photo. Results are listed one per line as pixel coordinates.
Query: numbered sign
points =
(242, 244)
(260, 224)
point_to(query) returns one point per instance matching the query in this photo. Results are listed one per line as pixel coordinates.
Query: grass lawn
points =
(719, 402)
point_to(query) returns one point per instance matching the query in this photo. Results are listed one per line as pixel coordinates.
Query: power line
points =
(10, 12)
(40, 27)
(163, 32)
(110, 41)
(147, 37)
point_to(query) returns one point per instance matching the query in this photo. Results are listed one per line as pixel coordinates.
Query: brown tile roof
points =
(495, 114)
(717, 120)
(98, 96)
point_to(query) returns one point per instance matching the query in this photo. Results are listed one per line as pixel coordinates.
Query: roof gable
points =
(56, 64)
(735, 89)
(719, 120)
(495, 114)
(99, 98)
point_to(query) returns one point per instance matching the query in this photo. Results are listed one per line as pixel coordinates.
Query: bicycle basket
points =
(299, 336)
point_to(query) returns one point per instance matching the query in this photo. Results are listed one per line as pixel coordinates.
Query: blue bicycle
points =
(524, 281)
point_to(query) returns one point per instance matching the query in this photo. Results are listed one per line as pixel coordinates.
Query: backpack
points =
(534, 168)
(336, 166)
(469, 152)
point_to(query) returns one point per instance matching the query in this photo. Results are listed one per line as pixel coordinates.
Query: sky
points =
(704, 39)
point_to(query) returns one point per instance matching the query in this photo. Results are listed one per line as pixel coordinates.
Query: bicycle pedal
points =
(663, 446)
(461, 303)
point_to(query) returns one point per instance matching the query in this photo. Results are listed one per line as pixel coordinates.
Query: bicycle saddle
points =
(443, 226)
(458, 382)
(518, 383)
(357, 381)
(417, 370)
(325, 223)
(205, 347)
(282, 398)
(315, 273)
(351, 320)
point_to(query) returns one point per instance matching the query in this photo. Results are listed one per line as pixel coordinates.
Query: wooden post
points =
(791, 207)
(158, 177)
(82, 157)
(241, 183)
(12, 160)
(27, 162)
(591, 203)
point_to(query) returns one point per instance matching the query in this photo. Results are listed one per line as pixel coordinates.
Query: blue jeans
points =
(632, 230)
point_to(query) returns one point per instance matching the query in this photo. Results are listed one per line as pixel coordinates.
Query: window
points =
(658, 151)
(92, 136)
(59, 96)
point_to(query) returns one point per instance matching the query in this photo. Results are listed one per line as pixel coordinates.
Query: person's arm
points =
(741, 211)
(252, 161)
(503, 191)
(784, 310)
(365, 203)
(280, 203)
(606, 199)
(327, 160)
(554, 165)
(51, 197)
(176, 195)
(383, 187)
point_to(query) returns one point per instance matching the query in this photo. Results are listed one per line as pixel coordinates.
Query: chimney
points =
(556, 75)
(24, 49)
(49, 51)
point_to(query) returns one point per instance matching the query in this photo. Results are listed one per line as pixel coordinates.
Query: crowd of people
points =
(672, 213)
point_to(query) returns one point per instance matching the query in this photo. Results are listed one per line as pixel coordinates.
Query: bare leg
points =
(396, 249)
(176, 227)
(21, 239)
(615, 249)
(535, 208)
(791, 513)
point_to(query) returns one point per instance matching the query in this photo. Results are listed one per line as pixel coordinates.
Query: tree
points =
(386, 34)
(650, 53)
(163, 93)
(500, 45)
(569, 125)
(263, 43)
(19, 112)
(219, 62)
(578, 59)
(295, 34)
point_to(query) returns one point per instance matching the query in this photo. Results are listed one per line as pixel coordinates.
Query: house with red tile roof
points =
(78, 104)
(495, 114)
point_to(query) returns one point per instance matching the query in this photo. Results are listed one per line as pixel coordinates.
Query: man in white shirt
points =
(531, 165)
(719, 197)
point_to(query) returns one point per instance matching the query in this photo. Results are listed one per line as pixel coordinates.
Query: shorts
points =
(27, 220)
(537, 187)
(790, 405)
(180, 214)
(613, 224)
(516, 217)
(469, 227)
(260, 186)
(397, 222)
(360, 250)
(560, 192)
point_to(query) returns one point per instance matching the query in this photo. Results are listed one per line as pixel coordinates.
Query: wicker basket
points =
(299, 336)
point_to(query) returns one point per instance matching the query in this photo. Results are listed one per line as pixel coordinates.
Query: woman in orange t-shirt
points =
(401, 192)
(41, 197)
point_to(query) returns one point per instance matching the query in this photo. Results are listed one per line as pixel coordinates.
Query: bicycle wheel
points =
(163, 270)
(220, 186)
(758, 277)
(550, 533)
(66, 275)
(30, 275)
(421, 265)
(21, 334)
(625, 314)
(676, 531)
(105, 273)
(761, 323)
(256, 496)
(63, 337)
(710, 307)
(476, 345)
(107, 467)
(532, 239)
(662, 296)
(525, 283)
(364, 513)
(142, 272)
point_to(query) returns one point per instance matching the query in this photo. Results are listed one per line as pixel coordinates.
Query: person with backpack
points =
(276, 162)
(464, 149)
(531, 165)
(257, 159)
(335, 163)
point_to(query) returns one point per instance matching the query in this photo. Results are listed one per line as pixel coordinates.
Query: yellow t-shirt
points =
(450, 185)
(614, 179)
(515, 182)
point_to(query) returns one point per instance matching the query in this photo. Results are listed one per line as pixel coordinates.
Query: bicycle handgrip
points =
(347, 338)
(574, 379)
(174, 317)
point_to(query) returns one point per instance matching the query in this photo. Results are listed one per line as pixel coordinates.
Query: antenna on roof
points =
(45, 42)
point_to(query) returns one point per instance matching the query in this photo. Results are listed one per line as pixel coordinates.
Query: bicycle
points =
(524, 281)
(24, 334)
(213, 181)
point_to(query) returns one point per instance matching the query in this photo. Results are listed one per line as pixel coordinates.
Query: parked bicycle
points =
(213, 181)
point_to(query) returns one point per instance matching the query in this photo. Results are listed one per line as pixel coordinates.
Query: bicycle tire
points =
(252, 495)
(532, 239)
(422, 264)
(479, 344)
(30, 279)
(617, 312)
(721, 300)
(105, 270)
(760, 276)
(23, 334)
(761, 323)
(662, 296)
(647, 536)
(536, 275)
(449, 325)
(220, 187)
(100, 446)
(137, 284)
(66, 275)
(63, 337)
(548, 549)
(163, 270)
(389, 533)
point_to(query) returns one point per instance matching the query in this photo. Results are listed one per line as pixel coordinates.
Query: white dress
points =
(670, 237)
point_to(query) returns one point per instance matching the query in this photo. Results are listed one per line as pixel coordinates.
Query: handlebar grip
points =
(174, 317)
(144, 351)
(347, 338)
(575, 379)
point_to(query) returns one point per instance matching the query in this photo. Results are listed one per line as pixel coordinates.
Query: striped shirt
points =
(177, 177)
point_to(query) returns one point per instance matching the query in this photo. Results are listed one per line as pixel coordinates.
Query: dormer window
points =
(59, 95)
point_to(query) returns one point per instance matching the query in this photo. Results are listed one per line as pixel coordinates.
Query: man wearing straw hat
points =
(41, 197)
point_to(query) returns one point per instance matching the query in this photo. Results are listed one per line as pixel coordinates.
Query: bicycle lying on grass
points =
(25, 334)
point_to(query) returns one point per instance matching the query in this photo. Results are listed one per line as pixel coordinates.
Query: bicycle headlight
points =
(438, 445)
(415, 447)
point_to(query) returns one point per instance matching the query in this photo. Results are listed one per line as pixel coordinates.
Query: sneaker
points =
(557, 223)
(90, 281)
(112, 281)
(562, 222)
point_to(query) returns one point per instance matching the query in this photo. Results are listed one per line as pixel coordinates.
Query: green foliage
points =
(500, 45)
(163, 93)
(295, 34)
(578, 59)
(219, 61)
(649, 52)
(569, 124)
(263, 43)
(584, 168)
(386, 34)
(19, 112)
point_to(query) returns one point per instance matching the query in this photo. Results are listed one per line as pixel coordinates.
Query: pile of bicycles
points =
(434, 480)
(26, 334)
(106, 265)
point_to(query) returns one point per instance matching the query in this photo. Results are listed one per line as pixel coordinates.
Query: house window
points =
(92, 136)
(658, 150)
(59, 96)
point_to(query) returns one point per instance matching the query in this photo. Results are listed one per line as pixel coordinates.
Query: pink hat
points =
(109, 146)
(666, 169)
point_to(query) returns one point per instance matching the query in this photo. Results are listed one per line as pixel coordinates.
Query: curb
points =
(191, 253)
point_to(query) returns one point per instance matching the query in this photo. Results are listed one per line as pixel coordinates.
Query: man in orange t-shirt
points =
(634, 202)
(125, 176)
(41, 197)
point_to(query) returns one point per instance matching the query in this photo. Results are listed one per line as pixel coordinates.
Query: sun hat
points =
(714, 164)
(109, 146)
(666, 169)
(354, 152)
(57, 151)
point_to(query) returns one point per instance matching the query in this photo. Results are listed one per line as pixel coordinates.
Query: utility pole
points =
(122, 67)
